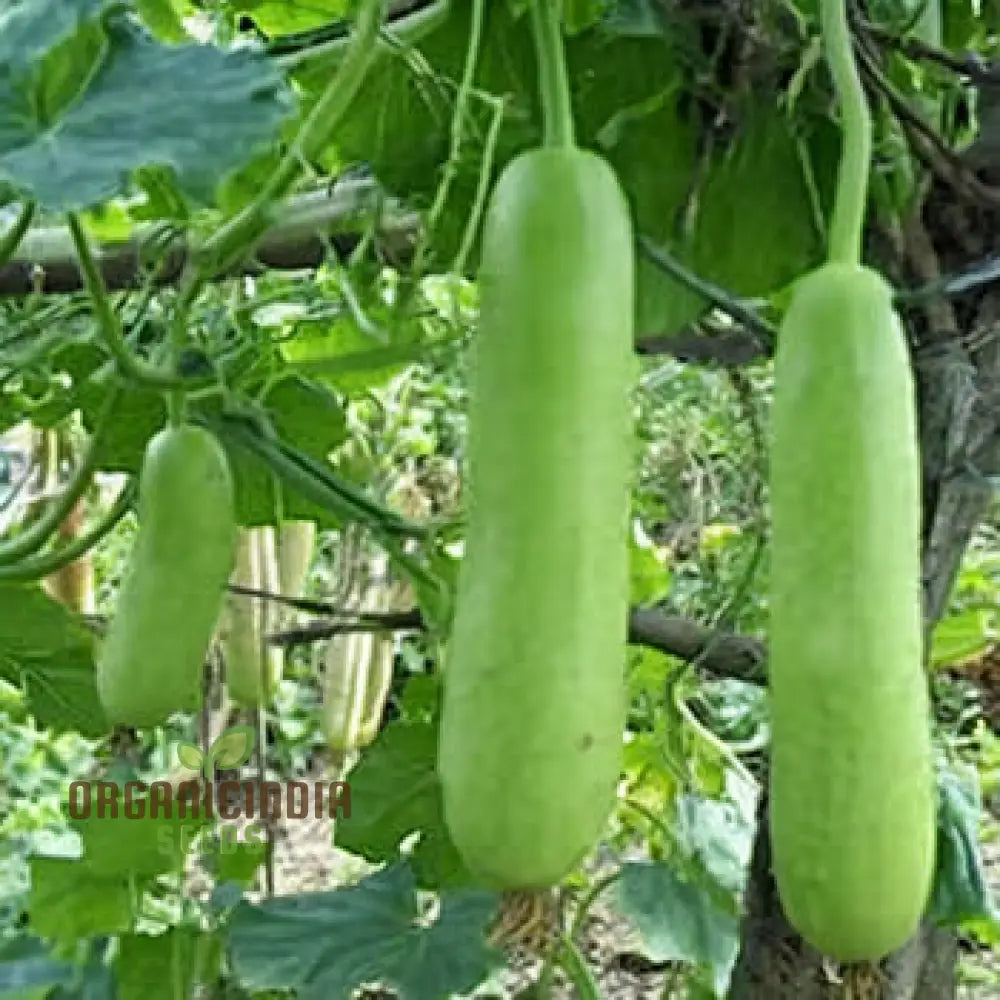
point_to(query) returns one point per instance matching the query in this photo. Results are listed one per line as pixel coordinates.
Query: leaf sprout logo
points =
(233, 748)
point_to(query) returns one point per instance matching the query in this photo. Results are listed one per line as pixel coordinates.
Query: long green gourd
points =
(150, 665)
(852, 794)
(534, 701)
(253, 669)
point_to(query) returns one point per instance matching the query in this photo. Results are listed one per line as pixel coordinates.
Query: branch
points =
(722, 654)
(46, 260)
(726, 655)
(714, 295)
(730, 349)
(969, 64)
(928, 145)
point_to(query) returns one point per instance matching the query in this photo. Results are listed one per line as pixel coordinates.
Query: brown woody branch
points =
(722, 654)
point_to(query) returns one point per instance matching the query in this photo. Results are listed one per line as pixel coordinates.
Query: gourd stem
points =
(47, 563)
(33, 538)
(557, 108)
(109, 326)
(847, 224)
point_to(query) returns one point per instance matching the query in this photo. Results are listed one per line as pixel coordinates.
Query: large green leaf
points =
(753, 244)
(30, 28)
(194, 108)
(280, 17)
(164, 967)
(397, 781)
(717, 834)
(631, 103)
(93, 982)
(140, 845)
(324, 945)
(27, 964)
(677, 920)
(962, 892)
(68, 901)
(44, 651)
(960, 635)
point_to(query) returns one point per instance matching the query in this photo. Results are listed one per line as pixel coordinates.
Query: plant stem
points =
(177, 398)
(12, 238)
(51, 562)
(847, 224)
(406, 30)
(573, 964)
(450, 170)
(317, 482)
(110, 326)
(553, 79)
(589, 899)
(240, 233)
(482, 188)
(34, 537)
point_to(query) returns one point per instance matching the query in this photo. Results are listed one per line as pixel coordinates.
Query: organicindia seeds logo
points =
(203, 798)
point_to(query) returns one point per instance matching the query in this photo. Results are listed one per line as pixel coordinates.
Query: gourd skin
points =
(151, 661)
(358, 677)
(852, 793)
(534, 701)
(246, 620)
(358, 669)
(296, 541)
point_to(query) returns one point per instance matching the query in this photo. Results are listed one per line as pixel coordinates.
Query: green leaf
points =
(959, 636)
(138, 414)
(678, 921)
(308, 413)
(773, 237)
(30, 28)
(69, 901)
(27, 965)
(718, 835)
(189, 756)
(649, 573)
(233, 747)
(961, 890)
(324, 945)
(142, 846)
(578, 15)
(163, 19)
(397, 780)
(164, 967)
(342, 356)
(195, 108)
(238, 862)
(282, 17)
(45, 652)
(303, 412)
(93, 982)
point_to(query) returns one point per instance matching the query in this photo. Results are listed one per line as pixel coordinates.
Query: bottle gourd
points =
(150, 665)
(852, 786)
(534, 700)
(852, 807)
(253, 668)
